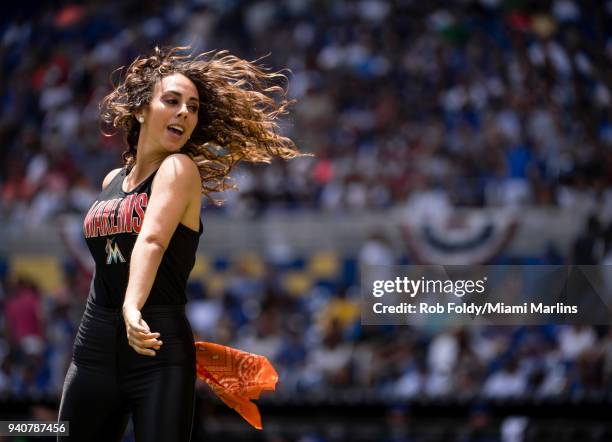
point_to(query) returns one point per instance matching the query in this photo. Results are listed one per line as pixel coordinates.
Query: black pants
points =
(107, 381)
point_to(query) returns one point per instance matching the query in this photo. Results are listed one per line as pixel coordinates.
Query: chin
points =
(173, 148)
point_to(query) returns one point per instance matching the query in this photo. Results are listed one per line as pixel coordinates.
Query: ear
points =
(141, 116)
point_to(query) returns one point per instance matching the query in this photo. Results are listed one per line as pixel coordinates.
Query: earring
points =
(141, 119)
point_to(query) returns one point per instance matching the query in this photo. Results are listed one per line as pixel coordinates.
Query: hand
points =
(139, 334)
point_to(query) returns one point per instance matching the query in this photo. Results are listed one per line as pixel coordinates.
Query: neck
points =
(147, 160)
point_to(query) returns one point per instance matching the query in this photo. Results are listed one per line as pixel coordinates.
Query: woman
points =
(188, 120)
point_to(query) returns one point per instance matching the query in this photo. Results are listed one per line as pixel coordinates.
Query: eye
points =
(193, 108)
(171, 101)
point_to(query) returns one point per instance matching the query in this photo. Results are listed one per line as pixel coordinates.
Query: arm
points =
(175, 186)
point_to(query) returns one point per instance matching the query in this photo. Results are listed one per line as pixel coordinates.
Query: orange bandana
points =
(236, 377)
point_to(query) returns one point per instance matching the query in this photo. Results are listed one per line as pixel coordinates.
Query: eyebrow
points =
(180, 95)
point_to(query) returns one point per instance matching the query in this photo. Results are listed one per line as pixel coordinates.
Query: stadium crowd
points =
(312, 333)
(494, 102)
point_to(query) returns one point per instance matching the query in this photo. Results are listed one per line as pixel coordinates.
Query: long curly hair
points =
(240, 102)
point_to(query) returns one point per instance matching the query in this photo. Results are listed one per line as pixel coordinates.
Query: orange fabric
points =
(236, 377)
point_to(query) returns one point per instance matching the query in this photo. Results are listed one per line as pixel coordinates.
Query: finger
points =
(149, 335)
(143, 351)
(138, 340)
(150, 343)
(146, 345)
(142, 335)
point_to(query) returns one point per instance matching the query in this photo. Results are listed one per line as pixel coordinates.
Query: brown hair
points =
(236, 118)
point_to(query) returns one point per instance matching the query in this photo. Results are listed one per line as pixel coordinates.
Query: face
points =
(172, 114)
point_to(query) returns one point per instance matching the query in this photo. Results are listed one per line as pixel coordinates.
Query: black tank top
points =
(111, 227)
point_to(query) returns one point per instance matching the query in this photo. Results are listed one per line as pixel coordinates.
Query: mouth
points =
(175, 130)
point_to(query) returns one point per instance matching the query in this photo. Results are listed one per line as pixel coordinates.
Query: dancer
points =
(187, 121)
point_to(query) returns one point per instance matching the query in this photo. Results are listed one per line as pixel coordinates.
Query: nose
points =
(182, 111)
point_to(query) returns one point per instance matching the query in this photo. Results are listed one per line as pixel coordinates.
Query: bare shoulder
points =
(109, 177)
(180, 170)
(177, 186)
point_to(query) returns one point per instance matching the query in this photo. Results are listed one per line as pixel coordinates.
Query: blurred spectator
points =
(573, 340)
(24, 317)
(377, 251)
(331, 359)
(507, 382)
(589, 246)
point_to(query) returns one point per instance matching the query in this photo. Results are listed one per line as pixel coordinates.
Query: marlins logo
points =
(113, 254)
